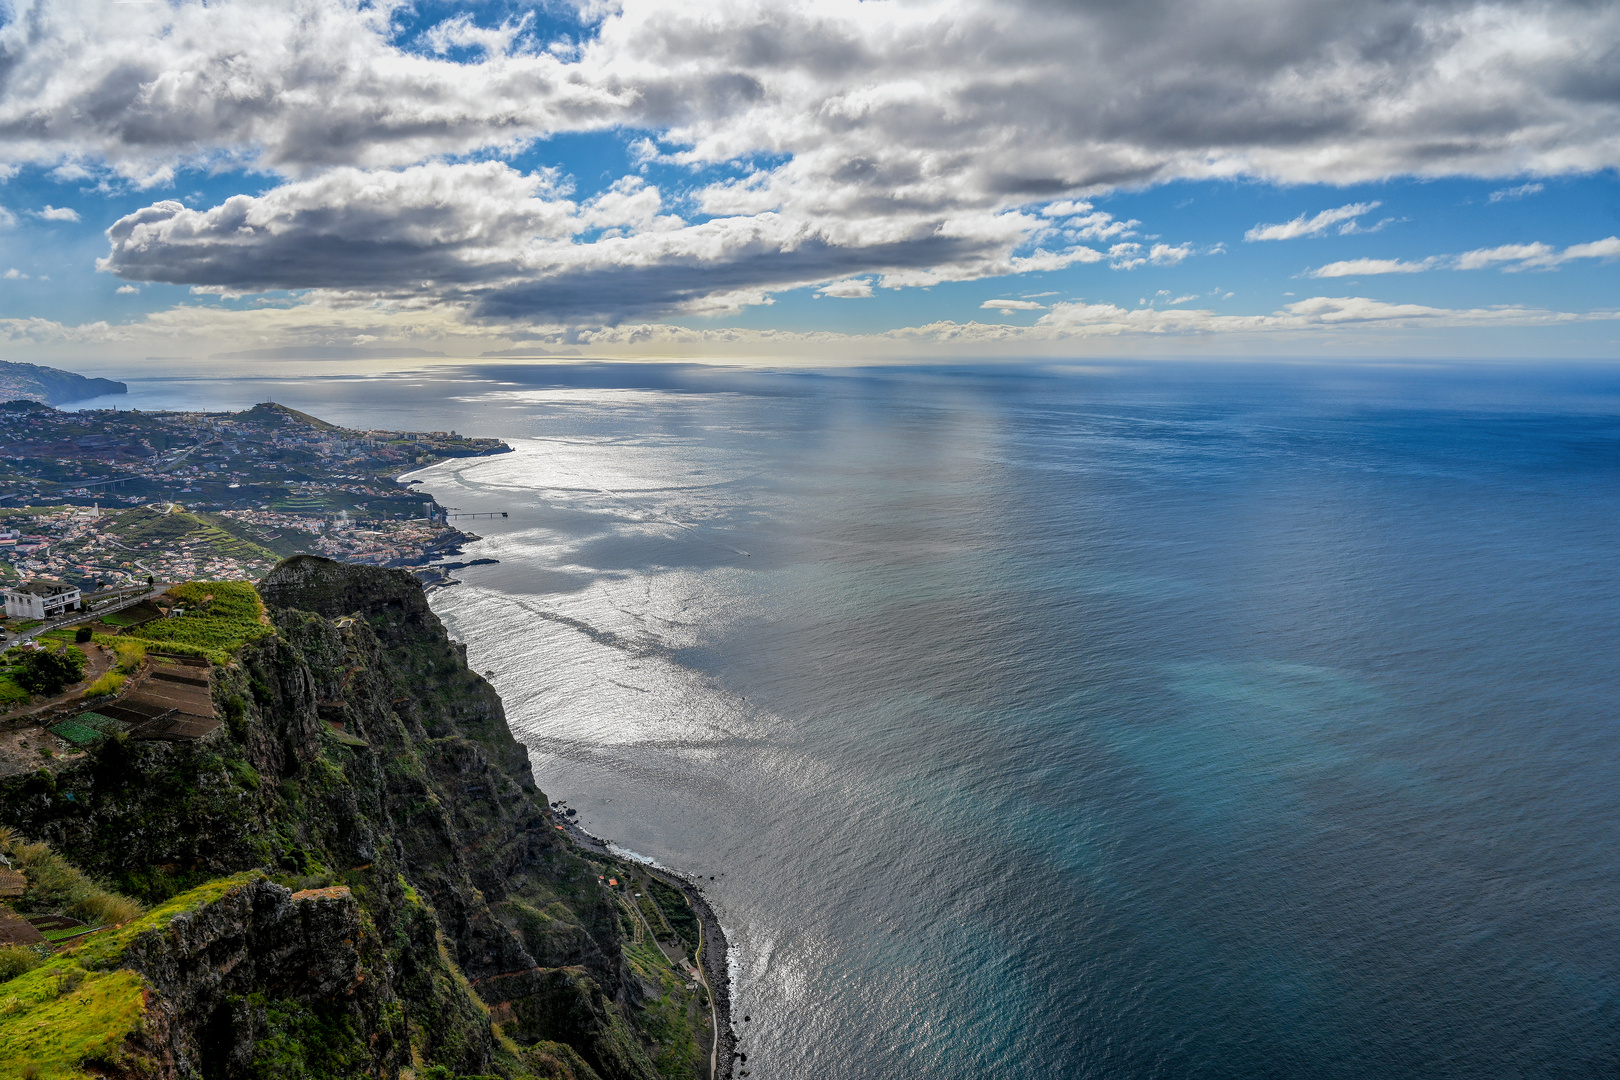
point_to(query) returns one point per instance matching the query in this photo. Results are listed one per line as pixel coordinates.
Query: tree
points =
(46, 672)
(82, 635)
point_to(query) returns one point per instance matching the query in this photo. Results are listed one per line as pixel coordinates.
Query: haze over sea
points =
(1143, 720)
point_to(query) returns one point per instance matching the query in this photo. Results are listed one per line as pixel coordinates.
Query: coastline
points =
(713, 955)
(713, 958)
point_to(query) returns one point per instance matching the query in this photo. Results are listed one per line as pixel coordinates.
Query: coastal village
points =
(110, 498)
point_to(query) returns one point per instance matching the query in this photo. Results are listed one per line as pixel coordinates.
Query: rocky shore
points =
(713, 957)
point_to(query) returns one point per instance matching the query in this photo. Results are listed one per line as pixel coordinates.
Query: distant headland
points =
(51, 385)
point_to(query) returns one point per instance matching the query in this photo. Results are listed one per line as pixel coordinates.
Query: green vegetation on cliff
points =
(79, 1013)
(219, 617)
(59, 1021)
(354, 875)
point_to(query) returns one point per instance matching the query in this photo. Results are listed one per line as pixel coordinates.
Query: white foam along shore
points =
(714, 948)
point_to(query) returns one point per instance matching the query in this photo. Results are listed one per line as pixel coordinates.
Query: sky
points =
(244, 182)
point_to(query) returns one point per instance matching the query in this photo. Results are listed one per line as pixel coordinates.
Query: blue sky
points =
(804, 181)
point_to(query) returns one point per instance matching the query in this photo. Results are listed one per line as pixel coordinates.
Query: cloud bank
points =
(1509, 257)
(872, 100)
(896, 144)
(327, 324)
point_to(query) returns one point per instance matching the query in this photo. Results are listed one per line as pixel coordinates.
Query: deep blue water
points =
(1162, 720)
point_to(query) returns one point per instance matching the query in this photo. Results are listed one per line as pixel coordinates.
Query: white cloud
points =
(1519, 192)
(14, 274)
(1364, 267)
(58, 213)
(1007, 307)
(1597, 249)
(848, 289)
(7, 218)
(1314, 225)
(1537, 256)
(127, 290)
(1525, 255)
(1510, 257)
(1083, 222)
(1166, 255)
(1356, 228)
(1314, 314)
(630, 204)
(1126, 256)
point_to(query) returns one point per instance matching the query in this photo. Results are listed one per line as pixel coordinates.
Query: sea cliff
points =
(354, 875)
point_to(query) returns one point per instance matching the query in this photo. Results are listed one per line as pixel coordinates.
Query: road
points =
(83, 616)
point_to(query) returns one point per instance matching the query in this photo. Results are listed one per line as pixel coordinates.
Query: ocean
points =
(1050, 721)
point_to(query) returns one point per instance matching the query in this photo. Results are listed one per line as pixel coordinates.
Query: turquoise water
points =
(1181, 721)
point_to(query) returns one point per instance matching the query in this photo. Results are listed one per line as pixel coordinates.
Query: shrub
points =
(16, 959)
(100, 906)
(305, 1041)
(82, 635)
(54, 884)
(130, 653)
(47, 671)
(236, 718)
(110, 683)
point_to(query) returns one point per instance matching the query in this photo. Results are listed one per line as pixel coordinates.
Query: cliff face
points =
(415, 912)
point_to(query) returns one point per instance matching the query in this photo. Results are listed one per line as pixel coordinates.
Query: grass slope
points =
(71, 1016)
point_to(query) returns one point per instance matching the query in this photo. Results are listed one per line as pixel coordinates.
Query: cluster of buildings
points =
(64, 544)
(388, 543)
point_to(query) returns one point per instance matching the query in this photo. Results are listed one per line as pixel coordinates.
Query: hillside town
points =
(111, 498)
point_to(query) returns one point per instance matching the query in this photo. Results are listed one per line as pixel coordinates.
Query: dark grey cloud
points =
(349, 229)
(611, 294)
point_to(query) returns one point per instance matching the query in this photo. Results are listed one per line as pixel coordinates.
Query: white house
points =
(41, 599)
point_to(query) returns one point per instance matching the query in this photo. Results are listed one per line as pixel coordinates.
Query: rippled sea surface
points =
(1172, 720)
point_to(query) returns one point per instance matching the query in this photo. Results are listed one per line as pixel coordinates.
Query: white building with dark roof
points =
(41, 599)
